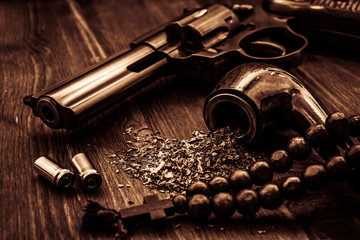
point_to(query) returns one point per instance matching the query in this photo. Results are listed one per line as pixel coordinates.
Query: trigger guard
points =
(267, 48)
(272, 43)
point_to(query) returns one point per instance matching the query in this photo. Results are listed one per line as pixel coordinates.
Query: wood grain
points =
(43, 42)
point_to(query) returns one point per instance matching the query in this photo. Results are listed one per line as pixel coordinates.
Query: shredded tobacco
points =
(172, 165)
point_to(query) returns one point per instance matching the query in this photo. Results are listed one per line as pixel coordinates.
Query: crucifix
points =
(153, 211)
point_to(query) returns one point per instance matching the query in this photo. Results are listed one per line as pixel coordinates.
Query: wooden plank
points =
(43, 42)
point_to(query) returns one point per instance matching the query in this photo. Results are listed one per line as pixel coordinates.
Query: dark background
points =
(43, 42)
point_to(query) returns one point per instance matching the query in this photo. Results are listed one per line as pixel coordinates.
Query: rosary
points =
(223, 196)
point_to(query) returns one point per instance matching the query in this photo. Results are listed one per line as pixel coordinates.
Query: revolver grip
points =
(336, 21)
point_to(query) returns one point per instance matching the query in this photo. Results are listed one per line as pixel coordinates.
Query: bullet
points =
(90, 179)
(60, 177)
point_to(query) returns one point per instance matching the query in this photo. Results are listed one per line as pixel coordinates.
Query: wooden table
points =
(43, 42)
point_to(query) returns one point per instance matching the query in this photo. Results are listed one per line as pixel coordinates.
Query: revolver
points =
(202, 44)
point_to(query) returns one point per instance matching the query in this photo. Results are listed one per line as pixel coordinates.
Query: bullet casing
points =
(60, 177)
(90, 179)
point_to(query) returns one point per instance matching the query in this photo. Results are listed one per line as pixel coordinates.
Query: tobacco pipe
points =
(260, 99)
(254, 97)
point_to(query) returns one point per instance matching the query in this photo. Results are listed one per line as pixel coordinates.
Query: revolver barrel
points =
(79, 98)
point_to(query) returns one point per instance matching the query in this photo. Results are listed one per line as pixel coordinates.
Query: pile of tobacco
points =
(172, 165)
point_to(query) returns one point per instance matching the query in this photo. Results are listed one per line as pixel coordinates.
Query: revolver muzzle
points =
(46, 109)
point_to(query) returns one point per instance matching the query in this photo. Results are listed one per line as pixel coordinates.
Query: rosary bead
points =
(198, 187)
(180, 203)
(298, 148)
(247, 202)
(270, 196)
(352, 156)
(337, 124)
(293, 188)
(240, 179)
(219, 184)
(337, 168)
(199, 207)
(280, 161)
(315, 177)
(354, 130)
(223, 205)
(317, 135)
(261, 173)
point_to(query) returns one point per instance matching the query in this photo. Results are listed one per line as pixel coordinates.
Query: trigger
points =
(266, 49)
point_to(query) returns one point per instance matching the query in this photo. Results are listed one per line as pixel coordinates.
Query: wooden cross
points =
(153, 210)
